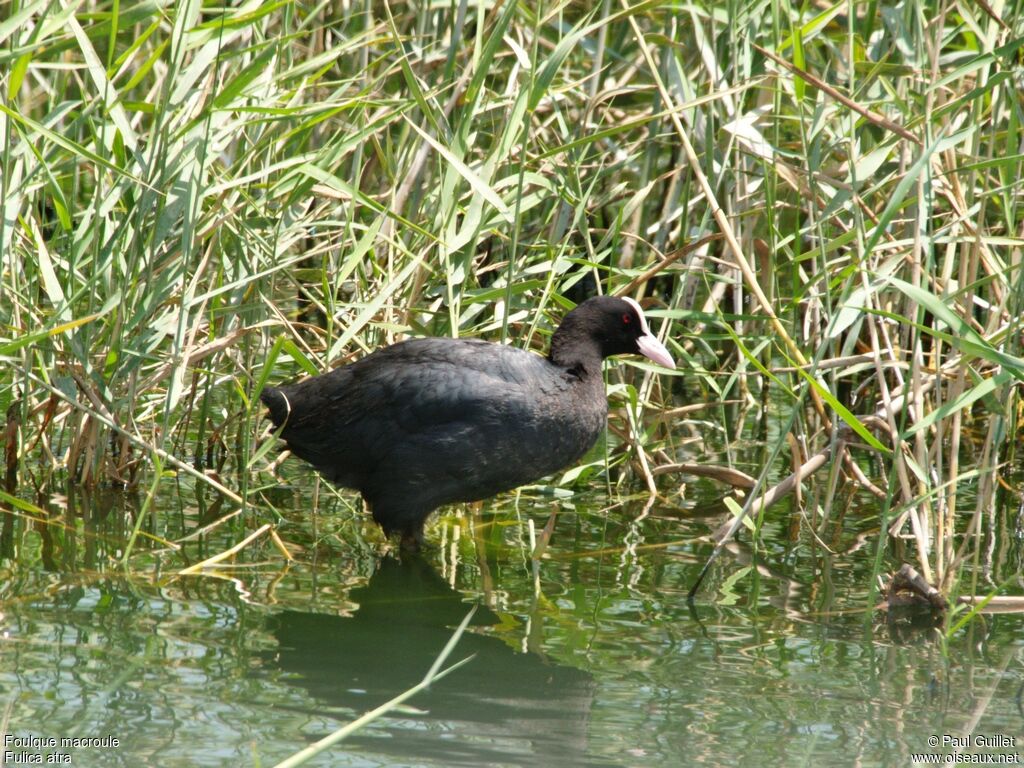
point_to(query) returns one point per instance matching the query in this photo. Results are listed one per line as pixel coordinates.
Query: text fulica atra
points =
(427, 422)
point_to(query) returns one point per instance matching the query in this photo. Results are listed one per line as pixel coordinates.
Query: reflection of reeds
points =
(433, 674)
(193, 209)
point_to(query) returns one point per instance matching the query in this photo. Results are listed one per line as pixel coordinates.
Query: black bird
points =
(432, 421)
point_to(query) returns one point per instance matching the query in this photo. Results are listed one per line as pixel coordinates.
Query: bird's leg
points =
(412, 539)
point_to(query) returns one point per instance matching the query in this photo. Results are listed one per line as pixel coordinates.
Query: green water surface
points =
(594, 657)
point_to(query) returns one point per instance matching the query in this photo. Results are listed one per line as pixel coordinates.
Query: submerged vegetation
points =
(817, 205)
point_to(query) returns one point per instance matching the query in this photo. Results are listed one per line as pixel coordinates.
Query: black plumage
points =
(432, 421)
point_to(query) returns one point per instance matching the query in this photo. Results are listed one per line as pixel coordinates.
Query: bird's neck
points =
(580, 358)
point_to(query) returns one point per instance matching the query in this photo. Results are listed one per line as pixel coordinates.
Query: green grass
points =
(187, 188)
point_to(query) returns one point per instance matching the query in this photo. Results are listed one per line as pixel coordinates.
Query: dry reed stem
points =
(138, 441)
(665, 261)
(726, 531)
(221, 556)
(728, 475)
(880, 120)
(740, 261)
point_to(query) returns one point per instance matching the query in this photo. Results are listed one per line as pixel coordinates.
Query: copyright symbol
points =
(933, 741)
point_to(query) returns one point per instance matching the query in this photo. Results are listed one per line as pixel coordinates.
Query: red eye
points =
(626, 318)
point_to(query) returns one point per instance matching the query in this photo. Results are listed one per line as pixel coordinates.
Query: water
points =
(779, 662)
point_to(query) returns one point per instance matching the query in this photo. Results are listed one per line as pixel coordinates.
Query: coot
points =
(427, 422)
